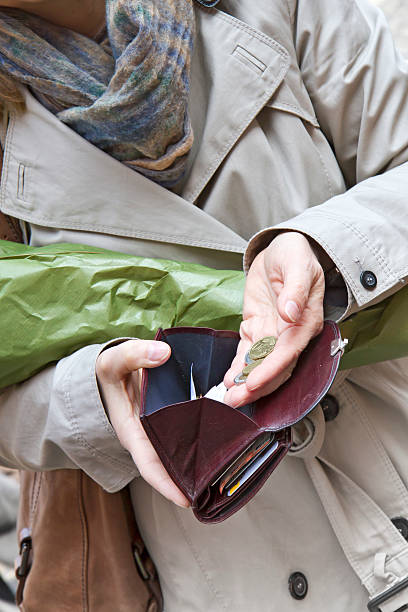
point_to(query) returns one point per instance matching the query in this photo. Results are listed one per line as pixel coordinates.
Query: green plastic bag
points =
(378, 333)
(57, 299)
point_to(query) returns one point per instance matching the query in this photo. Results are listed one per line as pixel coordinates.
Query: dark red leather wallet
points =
(198, 440)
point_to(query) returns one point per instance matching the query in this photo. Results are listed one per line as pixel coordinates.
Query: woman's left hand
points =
(118, 371)
(284, 298)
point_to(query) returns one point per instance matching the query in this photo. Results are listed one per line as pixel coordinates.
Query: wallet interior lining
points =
(209, 355)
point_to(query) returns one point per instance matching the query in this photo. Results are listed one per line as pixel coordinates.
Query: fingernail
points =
(292, 310)
(157, 350)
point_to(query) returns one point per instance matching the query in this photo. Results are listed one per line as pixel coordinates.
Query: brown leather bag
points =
(9, 227)
(80, 547)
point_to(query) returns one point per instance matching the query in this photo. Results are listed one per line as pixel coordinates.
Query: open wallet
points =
(217, 455)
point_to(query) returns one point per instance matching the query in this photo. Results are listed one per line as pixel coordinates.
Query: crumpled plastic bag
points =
(59, 298)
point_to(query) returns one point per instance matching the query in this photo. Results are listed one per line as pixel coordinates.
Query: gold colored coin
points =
(262, 348)
(251, 366)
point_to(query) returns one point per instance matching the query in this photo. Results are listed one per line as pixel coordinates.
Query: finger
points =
(237, 363)
(291, 343)
(293, 298)
(117, 362)
(133, 437)
(240, 395)
(276, 368)
(251, 330)
(151, 467)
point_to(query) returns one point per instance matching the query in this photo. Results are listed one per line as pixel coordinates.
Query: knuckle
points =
(134, 353)
(300, 289)
(128, 353)
(104, 364)
(243, 328)
(297, 351)
(317, 326)
(286, 375)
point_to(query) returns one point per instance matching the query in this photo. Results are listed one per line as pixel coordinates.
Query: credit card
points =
(247, 455)
(251, 469)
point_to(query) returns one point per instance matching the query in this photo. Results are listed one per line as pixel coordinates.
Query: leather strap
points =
(144, 564)
(10, 229)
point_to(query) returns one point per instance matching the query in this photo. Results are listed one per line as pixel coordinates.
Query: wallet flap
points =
(194, 439)
(311, 379)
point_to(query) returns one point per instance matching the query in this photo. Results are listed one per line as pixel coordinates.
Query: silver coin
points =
(240, 378)
(248, 359)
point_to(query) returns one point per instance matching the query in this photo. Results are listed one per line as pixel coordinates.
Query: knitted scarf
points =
(127, 94)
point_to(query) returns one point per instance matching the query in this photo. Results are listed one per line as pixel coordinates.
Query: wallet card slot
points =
(194, 438)
(213, 506)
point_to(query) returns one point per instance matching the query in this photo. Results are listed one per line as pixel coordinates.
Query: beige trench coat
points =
(295, 106)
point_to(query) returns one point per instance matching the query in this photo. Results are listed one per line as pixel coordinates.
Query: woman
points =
(299, 119)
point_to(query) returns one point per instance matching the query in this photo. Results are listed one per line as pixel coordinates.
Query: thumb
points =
(294, 295)
(118, 361)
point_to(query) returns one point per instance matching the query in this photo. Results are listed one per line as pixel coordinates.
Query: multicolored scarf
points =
(128, 94)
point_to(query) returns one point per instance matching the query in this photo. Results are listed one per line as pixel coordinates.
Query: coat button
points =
(368, 280)
(330, 407)
(402, 525)
(298, 585)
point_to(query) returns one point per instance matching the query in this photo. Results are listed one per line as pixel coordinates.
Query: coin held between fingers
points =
(255, 356)
(262, 348)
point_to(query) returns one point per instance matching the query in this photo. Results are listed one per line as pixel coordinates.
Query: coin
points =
(251, 366)
(255, 356)
(240, 378)
(248, 358)
(262, 348)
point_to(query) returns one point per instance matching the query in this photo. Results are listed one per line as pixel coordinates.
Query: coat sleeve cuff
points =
(339, 302)
(93, 444)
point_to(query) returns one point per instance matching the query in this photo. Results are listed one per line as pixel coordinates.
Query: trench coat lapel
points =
(55, 178)
(236, 69)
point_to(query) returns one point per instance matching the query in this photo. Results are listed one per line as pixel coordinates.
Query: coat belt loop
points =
(308, 435)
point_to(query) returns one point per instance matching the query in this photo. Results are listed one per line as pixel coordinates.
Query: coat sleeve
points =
(56, 420)
(358, 84)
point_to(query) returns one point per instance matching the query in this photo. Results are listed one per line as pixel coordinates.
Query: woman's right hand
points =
(118, 371)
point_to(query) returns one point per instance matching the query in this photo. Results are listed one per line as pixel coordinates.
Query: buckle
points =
(143, 572)
(375, 604)
(23, 562)
(338, 345)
